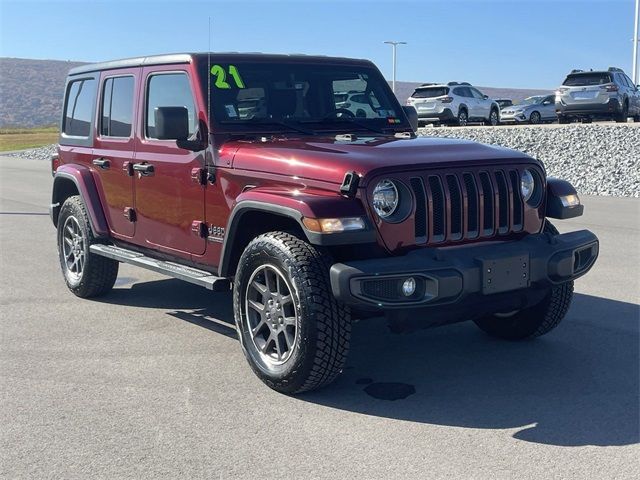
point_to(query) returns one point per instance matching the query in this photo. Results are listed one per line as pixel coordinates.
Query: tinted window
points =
(629, 81)
(463, 92)
(586, 79)
(169, 90)
(117, 107)
(476, 93)
(430, 92)
(79, 108)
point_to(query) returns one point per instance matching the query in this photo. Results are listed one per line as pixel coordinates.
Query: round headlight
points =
(385, 198)
(527, 185)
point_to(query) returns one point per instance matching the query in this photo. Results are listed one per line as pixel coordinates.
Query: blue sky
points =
(516, 43)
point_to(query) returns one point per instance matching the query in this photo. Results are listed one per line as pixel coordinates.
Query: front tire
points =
(85, 273)
(533, 321)
(293, 332)
(494, 118)
(535, 118)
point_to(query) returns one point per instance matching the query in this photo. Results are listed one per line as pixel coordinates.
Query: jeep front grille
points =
(467, 205)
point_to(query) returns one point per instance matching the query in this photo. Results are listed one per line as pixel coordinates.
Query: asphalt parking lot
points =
(149, 381)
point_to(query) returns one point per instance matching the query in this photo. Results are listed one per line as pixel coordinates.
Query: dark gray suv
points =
(598, 94)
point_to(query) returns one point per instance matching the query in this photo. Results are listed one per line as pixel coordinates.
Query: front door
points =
(169, 201)
(114, 148)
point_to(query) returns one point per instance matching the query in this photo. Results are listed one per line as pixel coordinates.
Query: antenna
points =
(208, 93)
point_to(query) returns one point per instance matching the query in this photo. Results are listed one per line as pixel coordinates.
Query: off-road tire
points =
(320, 349)
(98, 273)
(533, 321)
(463, 118)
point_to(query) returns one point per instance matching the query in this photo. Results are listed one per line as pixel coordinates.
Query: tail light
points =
(445, 100)
(609, 88)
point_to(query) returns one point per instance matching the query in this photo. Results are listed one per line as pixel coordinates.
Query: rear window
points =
(586, 79)
(430, 92)
(78, 108)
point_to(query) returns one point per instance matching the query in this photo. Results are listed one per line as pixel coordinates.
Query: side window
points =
(169, 90)
(78, 108)
(117, 107)
(460, 91)
(476, 93)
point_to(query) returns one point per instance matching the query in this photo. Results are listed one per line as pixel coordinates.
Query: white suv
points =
(453, 103)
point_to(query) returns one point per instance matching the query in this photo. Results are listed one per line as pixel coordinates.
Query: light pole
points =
(394, 45)
(636, 80)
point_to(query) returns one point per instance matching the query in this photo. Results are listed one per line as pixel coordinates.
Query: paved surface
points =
(149, 382)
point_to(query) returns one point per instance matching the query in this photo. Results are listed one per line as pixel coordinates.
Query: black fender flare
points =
(556, 189)
(85, 186)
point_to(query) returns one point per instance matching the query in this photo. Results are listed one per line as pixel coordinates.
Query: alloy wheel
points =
(73, 248)
(271, 313)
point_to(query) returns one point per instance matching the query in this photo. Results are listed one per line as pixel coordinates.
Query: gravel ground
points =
(596, 159)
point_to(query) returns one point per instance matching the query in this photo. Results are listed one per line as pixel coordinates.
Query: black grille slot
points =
(487, 196)
(503, 202)
(438, 209)
(421, 210)
(455, 196)
(517, 201)
(385, 289)
(472, 205)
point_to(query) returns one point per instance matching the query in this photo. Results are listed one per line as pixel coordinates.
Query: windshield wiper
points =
(270, 121)
(349, 120)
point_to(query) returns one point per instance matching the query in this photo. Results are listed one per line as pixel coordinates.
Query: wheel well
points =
(463, 107)
(63, 188)
(249, 226)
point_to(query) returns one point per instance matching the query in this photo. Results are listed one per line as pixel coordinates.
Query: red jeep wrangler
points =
(300, 181)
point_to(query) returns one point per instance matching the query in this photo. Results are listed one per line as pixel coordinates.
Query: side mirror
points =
(412, 116)
(172, 123)
(486, 97)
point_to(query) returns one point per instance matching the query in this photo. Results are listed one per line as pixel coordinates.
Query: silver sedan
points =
(536, 109)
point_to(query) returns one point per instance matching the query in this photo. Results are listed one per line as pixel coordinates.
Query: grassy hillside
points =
(31, 91)
(21, 138)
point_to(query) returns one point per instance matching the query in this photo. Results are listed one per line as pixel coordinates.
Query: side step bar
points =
(175, 270)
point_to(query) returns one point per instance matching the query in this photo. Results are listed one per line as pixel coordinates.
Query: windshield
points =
(586, 79)
(532, 100)
(259, 97)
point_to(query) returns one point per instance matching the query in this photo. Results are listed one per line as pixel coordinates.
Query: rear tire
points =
(463, 118)
(623, 115)
(85, 273)
(293, 332)
(533, 321)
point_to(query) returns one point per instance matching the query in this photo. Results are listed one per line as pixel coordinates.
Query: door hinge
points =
(199, 228)
(198, 175)
(127, 167)
(129, 213)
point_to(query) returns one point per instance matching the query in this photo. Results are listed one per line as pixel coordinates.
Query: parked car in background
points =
(536, 109)
(453, 103)
(504, 102)
(597, 94)
(356, 102)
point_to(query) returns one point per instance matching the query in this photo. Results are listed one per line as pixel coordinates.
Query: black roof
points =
(177, 58)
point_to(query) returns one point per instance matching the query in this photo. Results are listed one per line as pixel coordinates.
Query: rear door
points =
(168, 199)
(113, 154)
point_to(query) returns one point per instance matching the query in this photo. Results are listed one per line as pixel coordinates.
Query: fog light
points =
(409, 287)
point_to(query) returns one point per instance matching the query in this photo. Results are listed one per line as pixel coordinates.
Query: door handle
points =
(144, 169)
(102, 163)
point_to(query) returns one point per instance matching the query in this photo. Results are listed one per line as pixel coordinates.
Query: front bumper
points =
(465, 274)
(513, 118)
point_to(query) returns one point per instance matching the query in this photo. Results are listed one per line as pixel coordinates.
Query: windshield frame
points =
(321, 126)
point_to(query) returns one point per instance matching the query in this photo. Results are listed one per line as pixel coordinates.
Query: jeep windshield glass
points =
(266, 97)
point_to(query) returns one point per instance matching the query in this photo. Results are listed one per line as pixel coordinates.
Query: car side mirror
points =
(486, 97)
(412, 116)
(172, 123)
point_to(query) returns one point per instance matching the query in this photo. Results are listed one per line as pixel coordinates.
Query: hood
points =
(329, 158)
